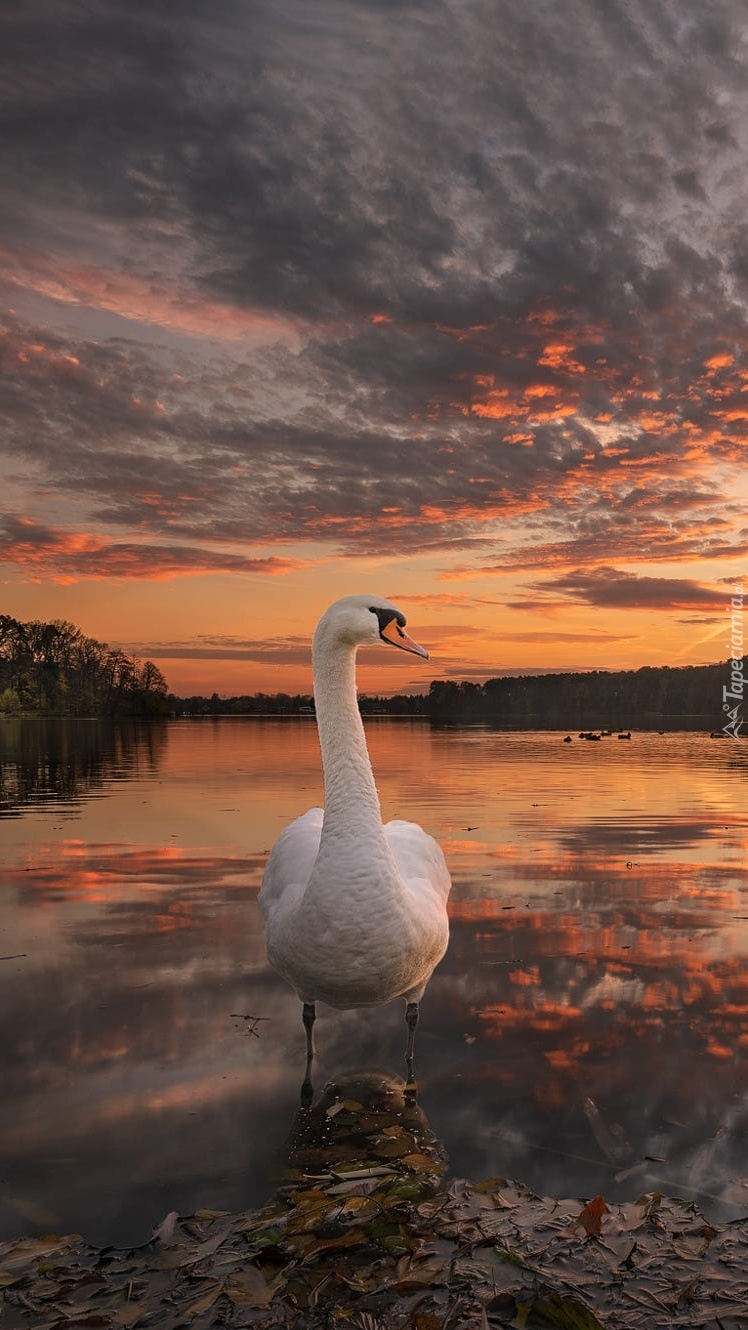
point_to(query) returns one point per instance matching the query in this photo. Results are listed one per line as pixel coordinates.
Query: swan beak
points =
(393, 634)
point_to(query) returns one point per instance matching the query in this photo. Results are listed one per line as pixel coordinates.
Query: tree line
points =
(54, 669)
(654, 697)
(290, 704)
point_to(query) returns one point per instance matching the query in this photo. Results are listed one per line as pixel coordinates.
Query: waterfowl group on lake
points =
(591, 734)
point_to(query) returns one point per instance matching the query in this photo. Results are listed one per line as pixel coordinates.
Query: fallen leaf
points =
(248, 1287)
(18, 1255)
(420, 1274)
(650, 1203)
(405, 1189)
(351, 1237)
(550, 1311)
(489, 1185)
(692, 1246)
(591, 1217)
(419, 1163)
(205, 1302)
(487, 1264)
(426, 1321)
(394, 1148)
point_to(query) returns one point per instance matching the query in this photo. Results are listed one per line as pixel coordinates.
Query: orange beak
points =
(393, 634)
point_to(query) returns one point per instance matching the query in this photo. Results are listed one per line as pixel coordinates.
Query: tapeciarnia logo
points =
(732, 696)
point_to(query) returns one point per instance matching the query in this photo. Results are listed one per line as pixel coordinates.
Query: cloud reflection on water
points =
(591, 1009)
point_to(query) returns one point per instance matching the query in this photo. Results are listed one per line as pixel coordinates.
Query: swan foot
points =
(411, 1020)
(308, 1016)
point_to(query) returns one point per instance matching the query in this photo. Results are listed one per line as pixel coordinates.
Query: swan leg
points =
(411, 1019)
(308, 1016)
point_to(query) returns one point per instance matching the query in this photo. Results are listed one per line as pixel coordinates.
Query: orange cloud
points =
(69, 556)
(720, 361)
(159, 302)
(558, 355)
(503, 404)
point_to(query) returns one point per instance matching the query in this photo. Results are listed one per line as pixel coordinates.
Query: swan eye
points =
(390, 620)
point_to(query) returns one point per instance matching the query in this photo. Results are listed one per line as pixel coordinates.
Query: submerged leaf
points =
(488, 1264)
(692, 1246)
(489, 1186)
(32, 1211)
(550, 1311)
(248, 1287)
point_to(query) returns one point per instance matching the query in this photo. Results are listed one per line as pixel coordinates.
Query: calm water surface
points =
(586, 1032)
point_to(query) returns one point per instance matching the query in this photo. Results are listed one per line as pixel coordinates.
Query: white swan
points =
(355, 911)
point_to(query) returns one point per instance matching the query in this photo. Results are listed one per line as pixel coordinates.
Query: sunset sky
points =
(445, 300)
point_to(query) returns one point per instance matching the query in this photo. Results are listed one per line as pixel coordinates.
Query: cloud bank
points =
(435, 277)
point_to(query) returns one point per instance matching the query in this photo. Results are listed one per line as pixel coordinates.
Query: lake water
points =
(587, 1031)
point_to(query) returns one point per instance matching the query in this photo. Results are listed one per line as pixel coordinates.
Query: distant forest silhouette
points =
(53, 669)
(653, 697)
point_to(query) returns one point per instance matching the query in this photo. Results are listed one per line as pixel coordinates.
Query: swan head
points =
(356, 621)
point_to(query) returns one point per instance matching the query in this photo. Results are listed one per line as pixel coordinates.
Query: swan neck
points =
(351, 798)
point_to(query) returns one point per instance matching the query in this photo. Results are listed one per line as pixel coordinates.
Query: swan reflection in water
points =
(365, 1125)
(355, 910)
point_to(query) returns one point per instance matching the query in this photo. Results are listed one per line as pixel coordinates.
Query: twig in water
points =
(252, 1022)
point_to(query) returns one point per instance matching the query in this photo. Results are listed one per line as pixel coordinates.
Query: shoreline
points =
(391, 1251)
(365, 1232)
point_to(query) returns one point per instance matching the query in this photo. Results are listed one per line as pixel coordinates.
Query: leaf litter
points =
(363, 1237)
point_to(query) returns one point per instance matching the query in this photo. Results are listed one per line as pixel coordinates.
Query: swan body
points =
(355, 910)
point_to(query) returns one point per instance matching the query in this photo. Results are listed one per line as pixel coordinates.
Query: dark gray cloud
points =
(281, 651)
(514, 238)
(610, 588)
(429, 160)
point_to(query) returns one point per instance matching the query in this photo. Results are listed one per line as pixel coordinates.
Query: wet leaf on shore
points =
(543, 1310)
(248, 1287)
(591, 1217)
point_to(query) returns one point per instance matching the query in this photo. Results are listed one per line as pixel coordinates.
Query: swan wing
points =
(423, 924)
(290, 864)
(420, 861)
